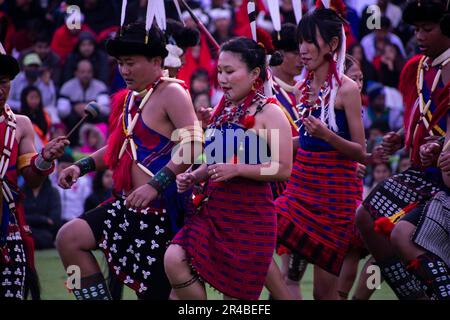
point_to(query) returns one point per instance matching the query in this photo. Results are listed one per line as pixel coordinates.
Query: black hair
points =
(252, 54)
(43, 37)
(199, 73)
(437, 11)
(350, 61)
(183, 37)
(327, 21)
(287, 40)
(37, 117)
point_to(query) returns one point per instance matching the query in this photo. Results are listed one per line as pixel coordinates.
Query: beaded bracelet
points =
(162, 179)
(86, 165)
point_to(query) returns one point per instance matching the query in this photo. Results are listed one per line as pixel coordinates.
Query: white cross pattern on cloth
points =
(123, 261)
(150, 260)
(158, 230)
(143, 225)
(154, 245)
(142, 288)
(128, 280)
(117, 205)
(145, 274)
(139, 242)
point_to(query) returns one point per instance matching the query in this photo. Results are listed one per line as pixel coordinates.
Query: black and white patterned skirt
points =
(433, 229)
(12, 272)
(134, 244)
(400, 191)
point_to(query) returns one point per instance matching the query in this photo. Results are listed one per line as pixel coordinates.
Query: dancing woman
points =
(229, 243)
(316, 211)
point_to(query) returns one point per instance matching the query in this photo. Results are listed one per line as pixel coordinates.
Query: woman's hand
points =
(223, 172)
(185, 181)
(316, 128)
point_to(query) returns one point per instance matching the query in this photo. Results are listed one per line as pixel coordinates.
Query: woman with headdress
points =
(229, 242)
(317, 209)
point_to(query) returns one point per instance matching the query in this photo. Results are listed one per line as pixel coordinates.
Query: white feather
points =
(122, 15)
(326, 3)
(151, 11)
(297, 5)
(2, 50)
(250, 9)
(340, 63)
(177, 5)
(160, 14)
(274, 9)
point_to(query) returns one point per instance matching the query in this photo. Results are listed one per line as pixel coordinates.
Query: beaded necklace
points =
(240, 114)
(128, 129)
(425, 115)
(306, 106)
(8, 144)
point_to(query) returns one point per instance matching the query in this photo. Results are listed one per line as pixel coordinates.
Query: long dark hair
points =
(36, 116)
(326, 20)
(252, 54)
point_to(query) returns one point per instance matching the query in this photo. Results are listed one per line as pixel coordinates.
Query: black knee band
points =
(93, 288)
(186, 284)
(434, 274)
(297, 267)
(404, 284)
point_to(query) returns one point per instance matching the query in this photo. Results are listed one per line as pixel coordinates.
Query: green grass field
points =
(52, 277)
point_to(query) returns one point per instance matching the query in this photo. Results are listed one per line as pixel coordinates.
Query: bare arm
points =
(279, 138)
(355, 149)
(52, 150)
(182, 115)
(444, 159)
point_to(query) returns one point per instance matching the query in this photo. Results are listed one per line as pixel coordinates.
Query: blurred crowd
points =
(62, 70)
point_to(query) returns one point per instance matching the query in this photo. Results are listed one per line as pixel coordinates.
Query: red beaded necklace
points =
(306, 105)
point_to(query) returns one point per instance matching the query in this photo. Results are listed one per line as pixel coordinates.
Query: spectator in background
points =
(32, 107)
(369, 72)
(199, 82)
(221, 24)
(102, 186)
(42, 207)
(373, 43)
(380, 172)
(65, 39)
(202, 106)
(388, 9)
(99, 14)
(72, 200)
(377, 111)
(50, 60)
(92, 138)
(33, 74)
(404, 162)
(6, 31)
(86, 49)
(28, 18)
(389, 65)
(79, 91)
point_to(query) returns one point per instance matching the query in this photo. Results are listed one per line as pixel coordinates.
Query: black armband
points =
(441, 141)
(86, 165)
(162, 179)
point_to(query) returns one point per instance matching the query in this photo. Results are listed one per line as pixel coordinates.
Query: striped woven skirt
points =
(231, 240)
(316, 212)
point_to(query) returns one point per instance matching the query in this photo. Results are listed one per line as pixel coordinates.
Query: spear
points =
(202, 28)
